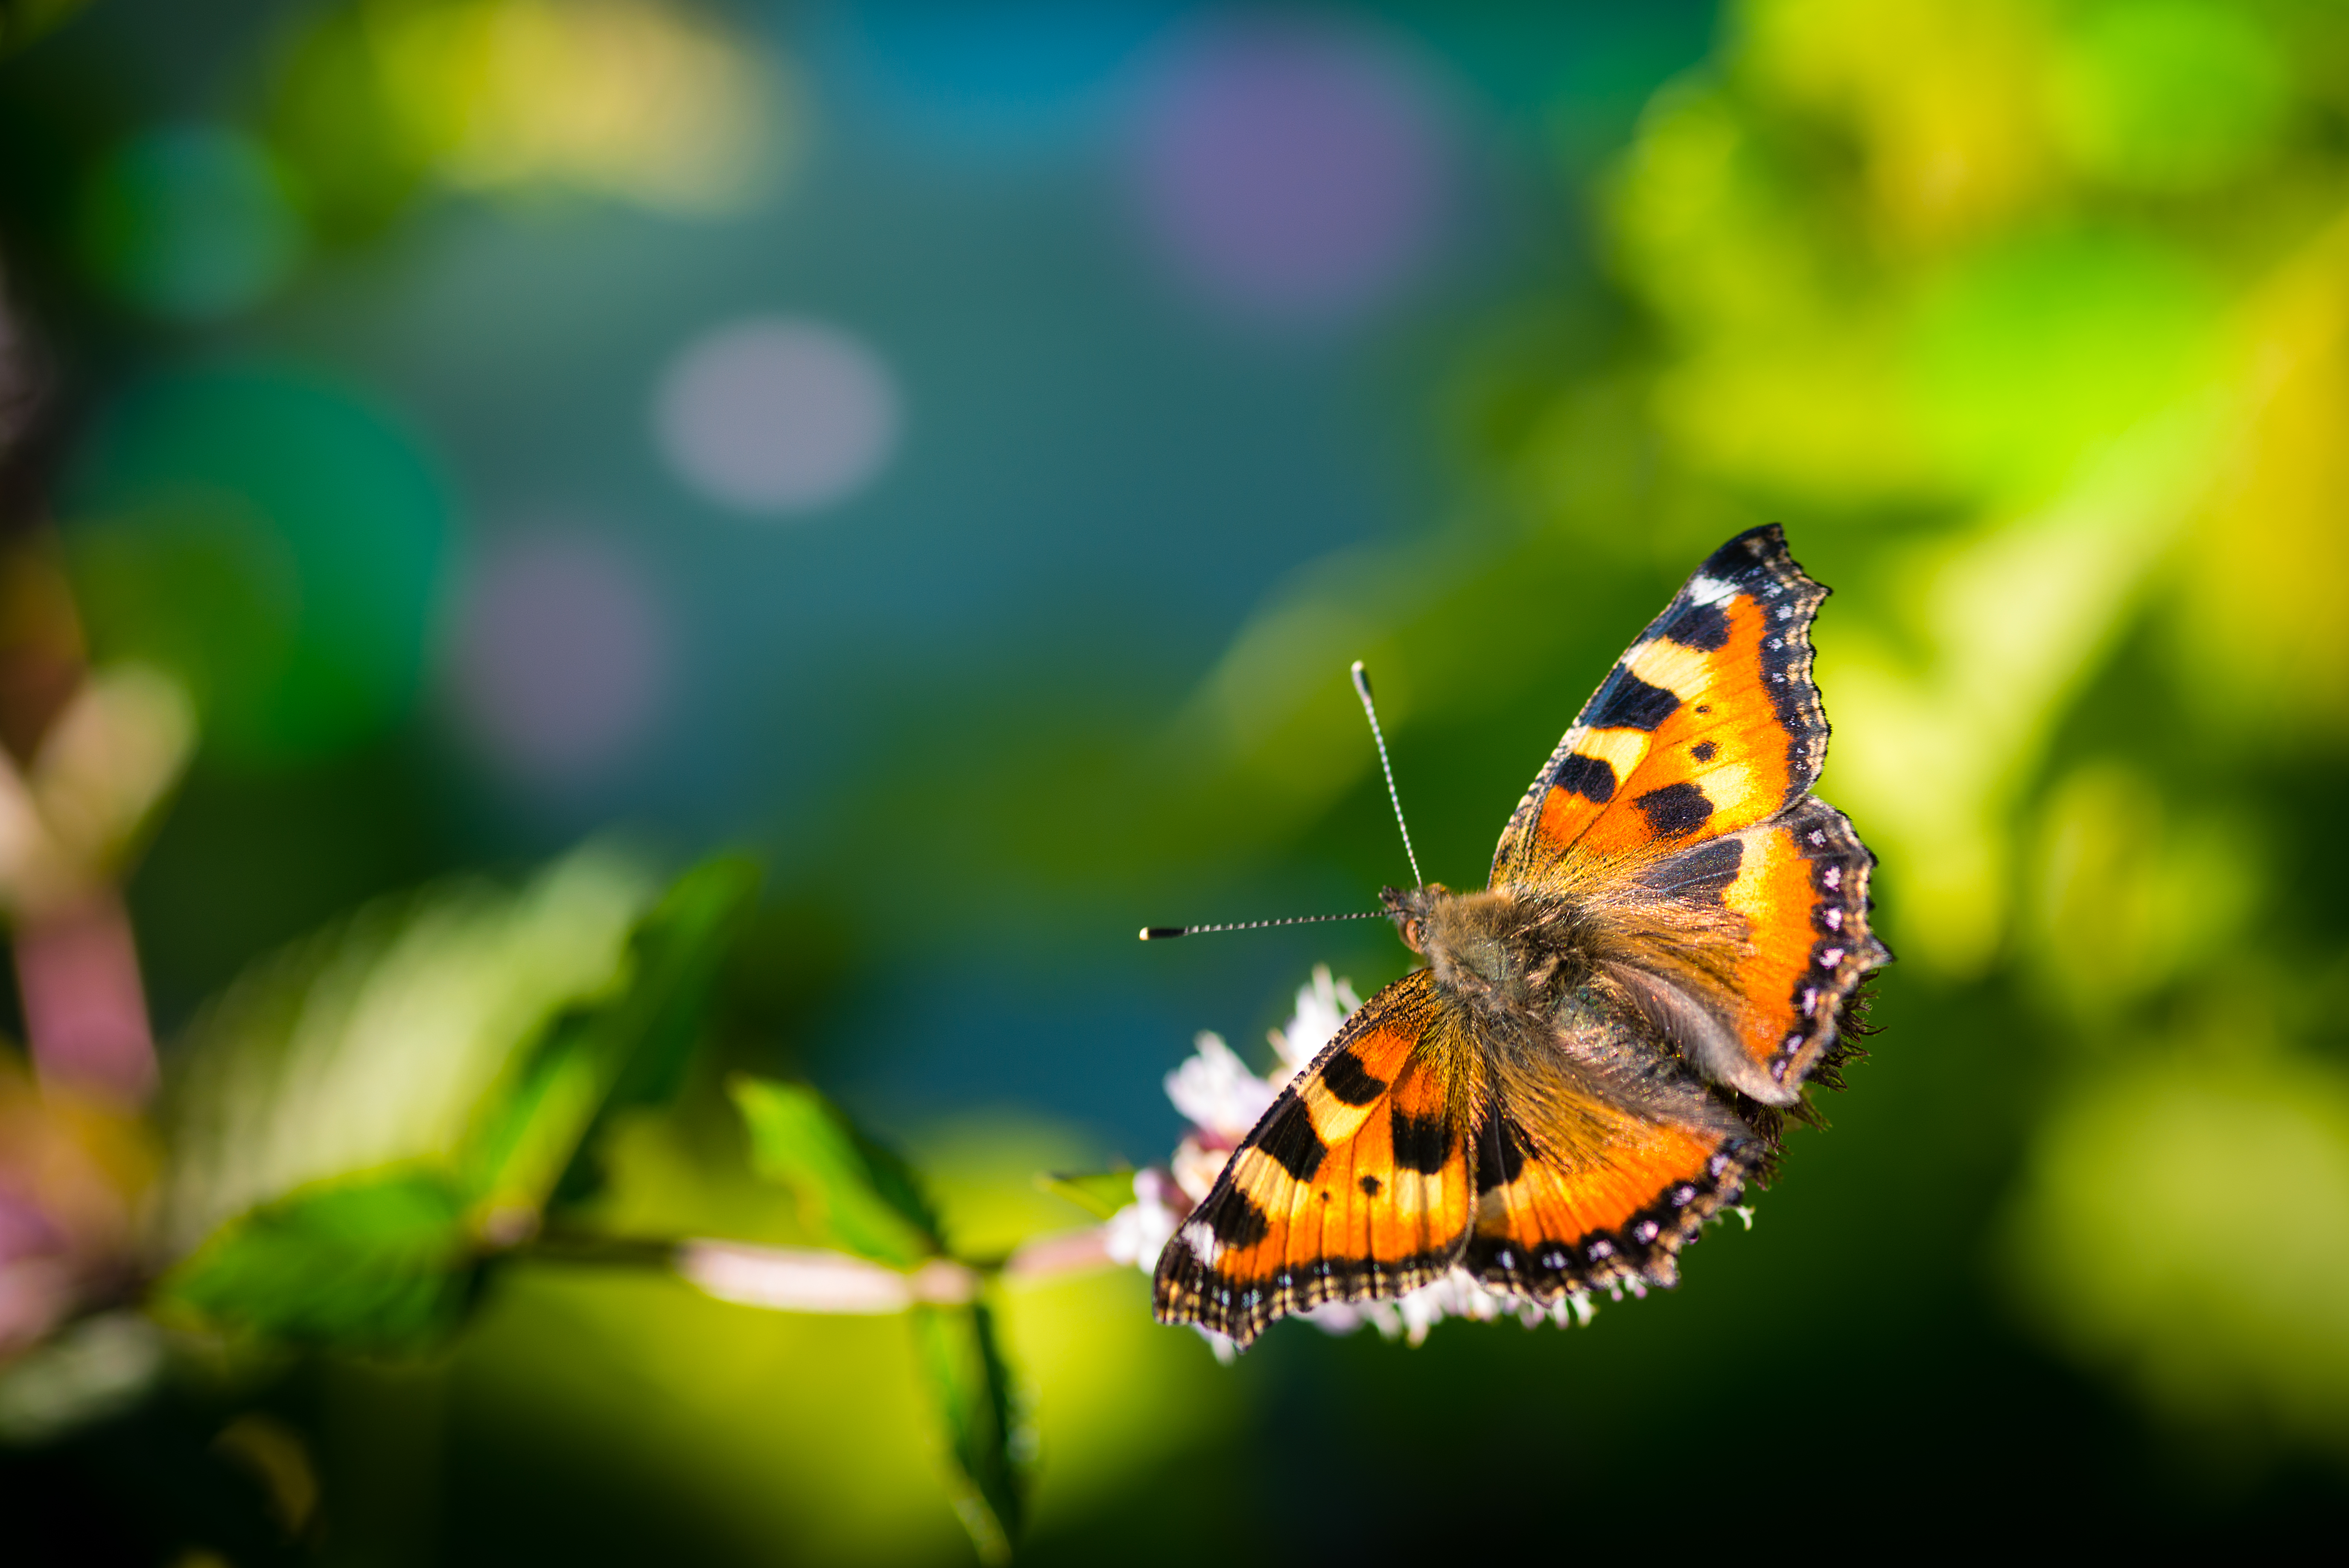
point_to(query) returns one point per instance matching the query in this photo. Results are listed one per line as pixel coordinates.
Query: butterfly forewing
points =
(1708, 724)
(1695, 757)
(1356, 1184)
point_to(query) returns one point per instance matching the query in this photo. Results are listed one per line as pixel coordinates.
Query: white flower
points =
(1223, 1100)
(1218, 1094)
(1457, 1294)
(1197, 1166)
(1137, 1233)
(1322, 1004)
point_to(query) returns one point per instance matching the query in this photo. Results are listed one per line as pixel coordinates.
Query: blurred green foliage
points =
(1100, 1194)
(986, 1432)
(370, 1124)
(386, 1174)
(438, 1029)
(2140, 1180)
(857, 1195)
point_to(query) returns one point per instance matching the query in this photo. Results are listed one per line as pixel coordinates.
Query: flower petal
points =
(1217, 1093)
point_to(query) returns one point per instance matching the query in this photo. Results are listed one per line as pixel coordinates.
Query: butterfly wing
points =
(1355, 1186)
(1800, 884)
(1576, 1192)
(1587, 1166)
(1693, 761)
(1708, 724)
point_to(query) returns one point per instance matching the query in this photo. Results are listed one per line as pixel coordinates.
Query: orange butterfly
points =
(1593, 1061)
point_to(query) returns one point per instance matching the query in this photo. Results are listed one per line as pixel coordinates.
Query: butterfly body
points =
(1593, 1061)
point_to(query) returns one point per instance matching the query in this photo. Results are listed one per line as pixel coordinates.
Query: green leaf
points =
(1100, 1194)
(633, 1048)
(986, 1433)
(363, 1117)
(379, 1041)
(373, 1263)
(851, 1189)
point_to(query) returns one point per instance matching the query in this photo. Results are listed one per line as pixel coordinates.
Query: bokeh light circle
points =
(560, 657)
(775, 415)
(190, 222)
(273, 539)
(1293, 169)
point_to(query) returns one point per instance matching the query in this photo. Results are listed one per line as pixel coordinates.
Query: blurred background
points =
(952, 454)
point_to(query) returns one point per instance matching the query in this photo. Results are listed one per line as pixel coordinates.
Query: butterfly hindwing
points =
(1801, 884)
(1708, 724)
(1355, 1185)
(1560, 1210)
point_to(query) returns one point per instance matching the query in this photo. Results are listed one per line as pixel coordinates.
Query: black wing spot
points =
(1372, 1184)
(1590, 777)
(1288, 1136)
(1675, 809)
(1704, 627)
(1702, 750)
(1628, 702)
(1423, 1144)
(1344, 1077)
(1237, 1221)
(1500, 1153)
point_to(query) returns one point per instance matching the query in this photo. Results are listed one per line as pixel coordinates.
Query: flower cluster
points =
(1223, 1100)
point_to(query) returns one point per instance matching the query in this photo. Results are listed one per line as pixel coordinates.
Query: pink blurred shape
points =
(85, 1006)
(1292, 168)
(1065, 1252)
(805, 1279)
(36, 1293)
(561, 656)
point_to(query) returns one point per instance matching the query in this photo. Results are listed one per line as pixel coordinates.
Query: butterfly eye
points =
(1410, 935)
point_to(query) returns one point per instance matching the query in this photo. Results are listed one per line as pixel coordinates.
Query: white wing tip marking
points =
(1704, 590)
(1202, 1242)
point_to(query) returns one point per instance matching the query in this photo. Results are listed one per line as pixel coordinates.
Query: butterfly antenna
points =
(1370, 709)
(1168, 933)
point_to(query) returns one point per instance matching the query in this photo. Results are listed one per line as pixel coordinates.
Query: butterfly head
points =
(1409, 907)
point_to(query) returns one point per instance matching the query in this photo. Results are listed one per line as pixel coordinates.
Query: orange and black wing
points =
(1799, 882)
(1690, 770)
(1708, 724)
(1575, 1191)
(1356, 1185)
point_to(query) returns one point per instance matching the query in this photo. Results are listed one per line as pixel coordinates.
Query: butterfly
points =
(1597, 1056)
